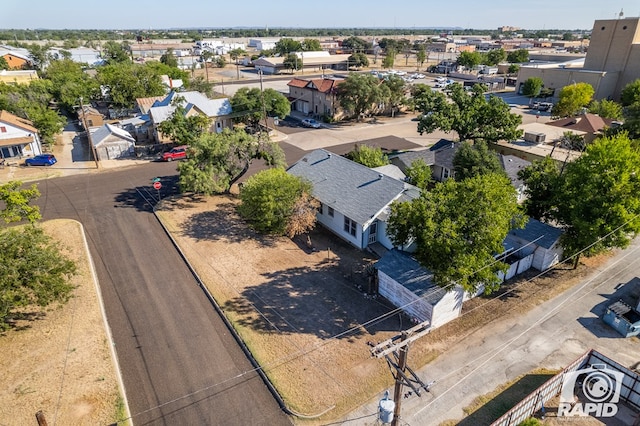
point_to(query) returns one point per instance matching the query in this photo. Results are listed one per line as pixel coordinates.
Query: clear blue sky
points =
(158, 14)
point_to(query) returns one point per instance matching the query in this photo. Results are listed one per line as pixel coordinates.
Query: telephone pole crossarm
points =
(413, 381)
(397, 341)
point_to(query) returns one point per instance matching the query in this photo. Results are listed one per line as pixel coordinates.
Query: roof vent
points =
(380, 175)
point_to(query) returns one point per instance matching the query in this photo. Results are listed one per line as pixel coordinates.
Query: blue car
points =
(41, 160)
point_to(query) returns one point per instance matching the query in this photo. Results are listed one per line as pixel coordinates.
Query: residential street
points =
(549, 336)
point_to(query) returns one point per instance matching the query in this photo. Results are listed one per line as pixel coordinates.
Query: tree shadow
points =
(145, 198)
(19, 321)
(318, 300)
(223, 224)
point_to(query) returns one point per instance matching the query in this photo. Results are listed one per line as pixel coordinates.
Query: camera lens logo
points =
(590, 391)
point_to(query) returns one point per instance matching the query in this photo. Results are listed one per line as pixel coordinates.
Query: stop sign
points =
(157, 185)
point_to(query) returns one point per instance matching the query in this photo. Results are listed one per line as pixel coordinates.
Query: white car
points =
(310, 122)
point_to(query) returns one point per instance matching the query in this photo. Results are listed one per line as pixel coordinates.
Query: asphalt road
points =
(179, 363)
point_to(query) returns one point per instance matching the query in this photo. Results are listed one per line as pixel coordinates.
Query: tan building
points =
(612, 61)
(18, 76)
(317, 96)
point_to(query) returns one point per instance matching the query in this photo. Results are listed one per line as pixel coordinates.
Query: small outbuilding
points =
(409, 286)
(537, 238)
(111, 142)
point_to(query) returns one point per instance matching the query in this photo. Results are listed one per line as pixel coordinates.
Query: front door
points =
(373, 232)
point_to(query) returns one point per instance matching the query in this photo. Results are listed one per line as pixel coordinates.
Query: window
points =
(349, 226)
(3, 129)
(330, 211)
(320, 208)
(446, 173)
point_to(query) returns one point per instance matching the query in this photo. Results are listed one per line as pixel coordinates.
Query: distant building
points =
(18, 76)
(612, 61)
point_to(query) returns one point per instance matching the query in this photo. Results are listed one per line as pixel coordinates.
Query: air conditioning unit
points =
(534, 137)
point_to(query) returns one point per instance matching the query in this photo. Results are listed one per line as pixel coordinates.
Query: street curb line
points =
(107, 328)
(232, 330)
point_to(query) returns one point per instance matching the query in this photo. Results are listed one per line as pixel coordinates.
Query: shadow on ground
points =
(144, 198)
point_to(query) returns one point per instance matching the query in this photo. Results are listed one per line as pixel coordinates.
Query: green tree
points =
(630, 94)
(184, 129)
(17, 202)
(70, 83)
(199, 84)
(419, 174)
(160, 68)
(275, 202)
(468, 113)
(247, 103)
(217, 160)
(389, 59)
(292, 62)
(469, 60)
(532, 86)
(513, 69)
(284, 46)
(542, 179)
(519, 56)
(38, 55)
(34, 272)
(394, 92)
(127, 81)
(169, 58)
(235, 54)
(358, 60)
(599, 206)
(48, 122)
(475, 159)
(220, 61)
(114, 52)
(421, 56)
(572, 99)
(369, 156)
(355, 44)
(311, 45)
(495, 56)
(457, 239)
(4, 65)
(606, 109)
(358, 94)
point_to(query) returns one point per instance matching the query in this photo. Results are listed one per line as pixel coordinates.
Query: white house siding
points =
(448, 308)
(114, 150)
(336, 225)
(400, 296)
(543, 258)
(382, 237)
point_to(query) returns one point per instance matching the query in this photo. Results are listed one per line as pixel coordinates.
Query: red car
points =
(177, 153)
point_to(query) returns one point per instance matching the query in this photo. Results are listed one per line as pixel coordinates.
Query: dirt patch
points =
(58, 360)
(304, 312)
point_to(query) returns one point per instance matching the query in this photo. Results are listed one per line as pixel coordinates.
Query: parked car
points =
(310, 122)
(177, 153)
(545, 106)
(41, 160)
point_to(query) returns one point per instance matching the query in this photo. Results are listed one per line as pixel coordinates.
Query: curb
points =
(232, 330)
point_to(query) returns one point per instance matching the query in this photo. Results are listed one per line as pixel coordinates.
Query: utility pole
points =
(86, 128)
(264, 107)
(398, 346)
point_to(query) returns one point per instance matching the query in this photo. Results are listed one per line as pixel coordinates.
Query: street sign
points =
(157, 185)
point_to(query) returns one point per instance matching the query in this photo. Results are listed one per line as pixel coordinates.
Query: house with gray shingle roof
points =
(438, 156)
(355, 200)
(161, 109)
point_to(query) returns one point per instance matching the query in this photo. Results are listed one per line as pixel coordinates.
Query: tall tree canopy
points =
(247, 102)
(284, 46)
(606, 109)
(184, 129)
(33, 272)
(630, 93)
(599, 198)
(114, 52)
(276, 202)
(518, 56)
(469, 60)
(359, 93)
(356, 44)
(458, 229)
(572, 99)
(470, 114)
(475, 159)
(217, 160)
(127, 81)
(311, 45)
(542, 184)
(70, 82)
(532, 86)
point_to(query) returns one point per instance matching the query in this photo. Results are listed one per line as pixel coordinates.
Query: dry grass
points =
(289, 304)
(59, 360)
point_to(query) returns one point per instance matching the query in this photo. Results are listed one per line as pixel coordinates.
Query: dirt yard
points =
(301, 310)
(59, 360)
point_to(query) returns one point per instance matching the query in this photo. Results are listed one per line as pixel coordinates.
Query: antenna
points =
(621, 14)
